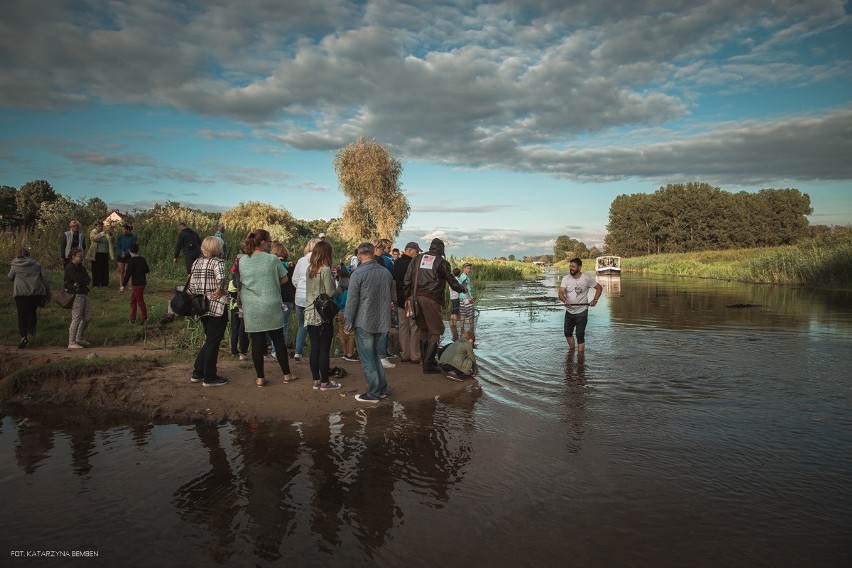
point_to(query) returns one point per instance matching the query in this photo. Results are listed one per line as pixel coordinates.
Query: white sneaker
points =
(387, 364)
(74, 346)
(330, 385)
(297, 357)
(243, 357)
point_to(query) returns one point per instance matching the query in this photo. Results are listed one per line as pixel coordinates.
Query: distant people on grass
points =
(409, 342)
(320, 281)
(137, 275)
(261, 275)
(77, 282)
(72, 238)
(466, 298)
(370, 293)
(122, 252)
(100, 253)
(457, 360)
(432, 272)
(189, 244)
(454, 307)
(207, 276)
(300, 273)
(30, 289)
(574, 293)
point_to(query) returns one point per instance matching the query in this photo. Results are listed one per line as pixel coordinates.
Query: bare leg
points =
(570, 343)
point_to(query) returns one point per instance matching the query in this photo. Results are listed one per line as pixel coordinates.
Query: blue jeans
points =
(290, 307)
(301, 333)
(371, 362)
(382, 346)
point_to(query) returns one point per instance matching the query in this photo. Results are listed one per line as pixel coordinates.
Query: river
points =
(707, 424)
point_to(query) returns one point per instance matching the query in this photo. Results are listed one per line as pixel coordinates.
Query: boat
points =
(608, 265)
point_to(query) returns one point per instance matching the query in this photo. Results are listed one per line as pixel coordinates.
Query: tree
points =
(369, 176)
(246, 217)
(30, 197)
(8, 206)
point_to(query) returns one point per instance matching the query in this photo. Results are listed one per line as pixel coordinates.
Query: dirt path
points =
(148, 387)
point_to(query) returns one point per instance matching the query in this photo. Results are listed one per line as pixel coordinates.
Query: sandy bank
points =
(143, 383)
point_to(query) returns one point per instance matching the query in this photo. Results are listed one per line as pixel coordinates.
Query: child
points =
(136, 269)
(458, 360)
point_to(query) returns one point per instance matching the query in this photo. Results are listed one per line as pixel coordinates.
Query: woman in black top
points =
(77, 282)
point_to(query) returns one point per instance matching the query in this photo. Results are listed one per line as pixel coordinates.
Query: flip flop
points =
(260, 382)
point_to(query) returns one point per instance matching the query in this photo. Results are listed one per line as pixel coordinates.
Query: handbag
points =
(326, 307)
(412, 306)
(65, 299)
(185, 304)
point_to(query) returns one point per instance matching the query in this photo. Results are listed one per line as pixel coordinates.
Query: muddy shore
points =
(145, 383)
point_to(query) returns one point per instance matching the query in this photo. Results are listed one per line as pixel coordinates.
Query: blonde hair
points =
(211, 247)
(279, 250)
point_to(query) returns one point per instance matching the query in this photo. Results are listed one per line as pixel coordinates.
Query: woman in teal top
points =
(261, 276)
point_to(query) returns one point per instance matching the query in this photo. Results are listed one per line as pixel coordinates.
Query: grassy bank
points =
(826, 263)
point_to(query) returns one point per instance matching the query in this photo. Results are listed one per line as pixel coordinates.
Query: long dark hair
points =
(253, 240)
(320, 256)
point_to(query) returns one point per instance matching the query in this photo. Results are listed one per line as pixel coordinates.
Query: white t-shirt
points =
(577, 291)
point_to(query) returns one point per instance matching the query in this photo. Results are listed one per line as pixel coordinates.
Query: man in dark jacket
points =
(409, 337)
(433, 274)
(189, 243)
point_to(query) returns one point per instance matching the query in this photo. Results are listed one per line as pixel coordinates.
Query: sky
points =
(515, 121)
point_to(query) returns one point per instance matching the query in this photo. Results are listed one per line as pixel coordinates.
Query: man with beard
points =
(432, 273)
(574, 293)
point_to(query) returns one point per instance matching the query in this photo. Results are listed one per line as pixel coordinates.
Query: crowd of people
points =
(365, 295)
(256, 293)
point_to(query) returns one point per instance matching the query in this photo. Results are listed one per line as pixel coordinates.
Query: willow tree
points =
(369, 176)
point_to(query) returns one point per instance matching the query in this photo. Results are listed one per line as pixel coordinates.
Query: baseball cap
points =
(413, 245)
(466, 264)
(321, 235)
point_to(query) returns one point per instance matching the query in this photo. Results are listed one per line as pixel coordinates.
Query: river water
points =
(707, 424)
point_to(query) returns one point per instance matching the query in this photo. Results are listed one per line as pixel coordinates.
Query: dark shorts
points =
(454, 306)
(578, 322)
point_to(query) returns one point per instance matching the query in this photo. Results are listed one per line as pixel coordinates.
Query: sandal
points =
(290, 380)
(260, 382)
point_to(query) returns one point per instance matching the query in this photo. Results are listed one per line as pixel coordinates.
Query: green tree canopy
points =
(30, 198)
(696, 216)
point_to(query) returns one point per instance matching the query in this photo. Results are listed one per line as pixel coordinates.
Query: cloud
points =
(522, 85)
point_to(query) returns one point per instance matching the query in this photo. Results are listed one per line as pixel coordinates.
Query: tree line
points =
(697, 216)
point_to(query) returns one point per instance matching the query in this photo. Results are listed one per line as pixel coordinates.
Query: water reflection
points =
(260, 491)
(575, 398)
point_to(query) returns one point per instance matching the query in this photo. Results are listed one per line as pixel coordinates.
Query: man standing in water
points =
(574, 293)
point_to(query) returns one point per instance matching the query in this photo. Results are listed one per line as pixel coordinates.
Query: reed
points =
(823, 261)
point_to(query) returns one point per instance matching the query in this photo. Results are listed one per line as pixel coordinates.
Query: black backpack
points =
(326, 307)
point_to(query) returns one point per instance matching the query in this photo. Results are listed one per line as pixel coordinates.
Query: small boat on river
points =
(608, 265)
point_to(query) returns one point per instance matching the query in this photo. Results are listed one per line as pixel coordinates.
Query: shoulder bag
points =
(185, 304)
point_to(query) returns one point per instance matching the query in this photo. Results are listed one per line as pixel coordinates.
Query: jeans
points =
(239, 337)
(287, 313)
(371, 362)
(208, 355)
(321, 338)
(382, 346)
(301, 333)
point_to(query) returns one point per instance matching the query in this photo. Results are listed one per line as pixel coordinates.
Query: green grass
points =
(825, 263)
